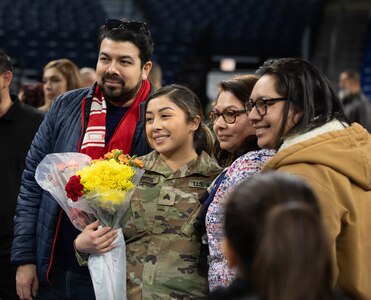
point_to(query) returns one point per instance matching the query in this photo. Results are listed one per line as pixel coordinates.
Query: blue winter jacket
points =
(37, 214)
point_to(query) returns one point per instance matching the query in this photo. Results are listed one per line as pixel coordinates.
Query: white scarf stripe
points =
(92, 145)
(95, 135)
(97, 112)
(96, 128)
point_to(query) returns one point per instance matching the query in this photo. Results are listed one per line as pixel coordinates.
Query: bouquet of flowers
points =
(95, 189)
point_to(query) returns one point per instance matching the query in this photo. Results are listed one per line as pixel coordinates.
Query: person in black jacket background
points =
(18, 125)
(357, 106)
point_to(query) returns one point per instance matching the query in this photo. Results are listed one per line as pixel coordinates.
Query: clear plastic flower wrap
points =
(100, 189)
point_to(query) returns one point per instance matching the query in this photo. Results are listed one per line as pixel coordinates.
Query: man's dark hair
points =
(5, 63)
(141, 38)
(353, 74)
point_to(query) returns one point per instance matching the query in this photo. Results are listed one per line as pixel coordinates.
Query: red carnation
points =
(74, 188)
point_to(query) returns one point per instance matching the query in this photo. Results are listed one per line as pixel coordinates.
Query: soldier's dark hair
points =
(5, 63)
(124, 30)
(307, 91)
(272, 221)
(241, 87)
(188, 102)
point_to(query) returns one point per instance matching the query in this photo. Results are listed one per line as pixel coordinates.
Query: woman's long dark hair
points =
(272, 221)
(293, 255)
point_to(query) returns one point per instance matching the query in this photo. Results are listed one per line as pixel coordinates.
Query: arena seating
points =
(236, 27)
(35, 32)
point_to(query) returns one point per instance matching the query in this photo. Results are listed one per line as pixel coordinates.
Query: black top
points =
(357, 108)
(113, 118)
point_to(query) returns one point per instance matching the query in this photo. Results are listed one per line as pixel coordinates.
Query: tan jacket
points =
(336, 162)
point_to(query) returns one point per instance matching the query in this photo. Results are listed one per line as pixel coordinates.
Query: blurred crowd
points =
(268, 197)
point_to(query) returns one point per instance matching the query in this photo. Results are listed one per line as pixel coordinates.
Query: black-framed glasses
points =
(261, 104)
(229, 115)
(133, 26)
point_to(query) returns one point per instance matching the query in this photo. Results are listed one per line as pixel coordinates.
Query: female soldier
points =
(162, 247)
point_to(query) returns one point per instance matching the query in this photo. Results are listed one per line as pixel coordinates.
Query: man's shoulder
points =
(77, 94)
(358, 98)
(71, 99)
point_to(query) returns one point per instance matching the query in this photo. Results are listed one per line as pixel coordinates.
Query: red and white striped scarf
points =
(93, 143)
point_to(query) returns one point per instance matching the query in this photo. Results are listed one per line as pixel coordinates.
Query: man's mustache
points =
(115, 78)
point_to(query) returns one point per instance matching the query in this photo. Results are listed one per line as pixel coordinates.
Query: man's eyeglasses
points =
(229, 115)
(261, 105)
(112, 24)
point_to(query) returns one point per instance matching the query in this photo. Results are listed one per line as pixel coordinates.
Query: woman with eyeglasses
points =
(295, 109)
(237, 149)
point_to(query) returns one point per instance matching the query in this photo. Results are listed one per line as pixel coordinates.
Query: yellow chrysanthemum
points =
(106, 174)
(107, 199)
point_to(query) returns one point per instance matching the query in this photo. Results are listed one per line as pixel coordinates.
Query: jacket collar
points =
(330, 126)
(202, 165)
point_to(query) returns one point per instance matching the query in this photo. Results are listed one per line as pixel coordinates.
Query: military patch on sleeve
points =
(198, 184)
(145, 179)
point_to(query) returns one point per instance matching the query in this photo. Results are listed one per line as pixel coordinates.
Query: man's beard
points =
(119, 96)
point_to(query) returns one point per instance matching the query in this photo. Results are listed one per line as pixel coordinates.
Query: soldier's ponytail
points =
(204, 139)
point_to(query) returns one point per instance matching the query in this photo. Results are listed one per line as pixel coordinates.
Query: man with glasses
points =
(93, 121)
(18, 125)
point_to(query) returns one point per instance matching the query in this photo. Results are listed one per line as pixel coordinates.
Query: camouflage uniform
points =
(162, 247)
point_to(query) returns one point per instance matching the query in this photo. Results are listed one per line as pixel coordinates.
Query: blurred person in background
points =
(59, 76)
(32, 94)
(18, 125)
(155, 76)
(88, 76)
(357, 106)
